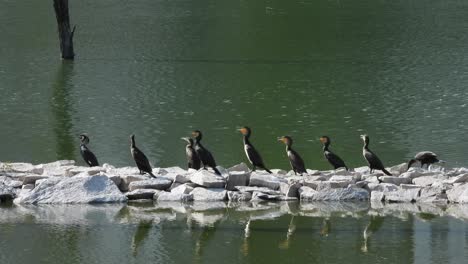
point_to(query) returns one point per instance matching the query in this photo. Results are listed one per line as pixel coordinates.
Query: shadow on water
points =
(61, 110)
(141, 234)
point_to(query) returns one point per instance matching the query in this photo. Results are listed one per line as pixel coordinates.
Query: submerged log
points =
(65, 34)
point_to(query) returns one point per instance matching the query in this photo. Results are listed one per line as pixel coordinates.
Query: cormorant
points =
(204, 155)
(140, 159)
(87, 155)
(193, 160)
(334, 160)
(252, 154)
(424, 157)
(372, 159)
(297, 163)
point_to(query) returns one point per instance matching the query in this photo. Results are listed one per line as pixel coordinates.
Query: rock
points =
(402, 195)
(383, 187)
(10, 182)
(428, 180)
(237, 178)
(207, 179)
(6, 193)
(361, 184)
(169, 196)
(264, 180)
(31, 179)
(173, 170)
(29, 186)
(398, 169)
(92, 189)
(370, 178)
(457, 171)
(127, 179)
(88, 170)
(410, 186)
(252, 189)
(339, 194)
(214, 194)
(332, 185)
(290, 190)
(432, 194)
(457, 179)
(159, 183)
(239, 196)
(116, 179)
(279, 172)
(377, 196)
(395, 180)
(182, 178)
(124, 171)
(458, 194)
(182, 189)
(239, 167)
(313, 172)
(348, 178)
(141, 194)
(22, 167)
(264, 196)
(413, 173)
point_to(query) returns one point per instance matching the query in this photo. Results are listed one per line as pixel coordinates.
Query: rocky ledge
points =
(62, 182)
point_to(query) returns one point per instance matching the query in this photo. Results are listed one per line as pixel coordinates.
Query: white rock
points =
(348, 178)
(279, 172)
(402, 195)
(398, 169)
(264, 196)
(457, 179)
(370, 178)
(22, 167)
(290, 190)
(10, 182)
(457, 171)
(265, 180)
(458, 194)
(116, 179)
(410, 186)
(428, 180)
(239, 167)
(93, 189)
(124, 171)
(313, 172)
(29, 186)
(169, 196)
(6, 192)
(159, 183)
(339, 194)
(237, 178)
(208, 179)
(332, 185)
(31, 179)
(377, 196)
(87, 170)
(395, 180)
(141, 194)
(182, 189)
(182, 178)
(127, 179)
(214, 194)
(252, 189)
(174, 170)
(239, 196)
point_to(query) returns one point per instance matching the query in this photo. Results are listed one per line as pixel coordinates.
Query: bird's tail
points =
(216, 171)
(410, 162)
(151, 174)
(386, 172)
(267, 170)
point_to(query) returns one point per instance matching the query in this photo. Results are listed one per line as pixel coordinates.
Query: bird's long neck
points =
(246, 140)
(325, 146)
(288, 147)
(133, 143)
(366, 145)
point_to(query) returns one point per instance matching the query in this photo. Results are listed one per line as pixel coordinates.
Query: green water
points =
(233, 233)
(396, 70)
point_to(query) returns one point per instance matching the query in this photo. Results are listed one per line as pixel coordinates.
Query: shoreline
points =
(62, 182)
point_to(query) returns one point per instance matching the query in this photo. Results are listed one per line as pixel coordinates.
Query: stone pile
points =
(64, 182)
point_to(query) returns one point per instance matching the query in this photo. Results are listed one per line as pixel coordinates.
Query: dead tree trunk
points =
(65, 34)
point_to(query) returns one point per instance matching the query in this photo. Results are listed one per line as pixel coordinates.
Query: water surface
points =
(396, 70)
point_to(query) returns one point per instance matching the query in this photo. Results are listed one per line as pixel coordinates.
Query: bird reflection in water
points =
(141, 234)
(245, 245)
(375, 223)
(326, 227)
(291, 229)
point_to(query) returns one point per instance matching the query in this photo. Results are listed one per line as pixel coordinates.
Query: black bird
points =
(334, 160)
(204, 155)
(297, 163)
(425, 158)
(372, 159)
(193, 160)
(140, 159)
(87, 155)
(252, 154)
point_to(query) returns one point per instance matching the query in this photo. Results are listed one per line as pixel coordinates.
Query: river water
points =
(234, 233)
(396, 70)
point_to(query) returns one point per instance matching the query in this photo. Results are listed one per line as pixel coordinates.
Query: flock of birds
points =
(199, 157)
